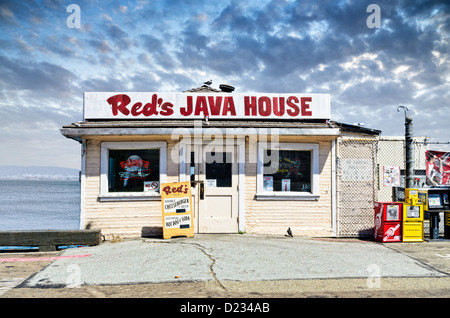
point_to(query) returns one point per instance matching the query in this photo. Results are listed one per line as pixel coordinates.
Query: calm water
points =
(39, 205)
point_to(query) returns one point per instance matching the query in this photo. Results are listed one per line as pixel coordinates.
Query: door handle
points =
(202, 190)
(194, 183)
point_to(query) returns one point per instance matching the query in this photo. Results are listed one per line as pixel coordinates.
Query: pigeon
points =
(208, 82)
(289, 232)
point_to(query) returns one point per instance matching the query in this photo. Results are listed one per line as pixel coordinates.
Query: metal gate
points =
(356, 186)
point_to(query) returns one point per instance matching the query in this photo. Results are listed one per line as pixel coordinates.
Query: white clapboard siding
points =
(138, 218)
(306, 218)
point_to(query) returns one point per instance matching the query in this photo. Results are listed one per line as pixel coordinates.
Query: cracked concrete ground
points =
(239, 266)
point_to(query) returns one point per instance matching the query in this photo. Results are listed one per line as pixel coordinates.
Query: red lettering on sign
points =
(264, 110)
(209, 106)
(135, 110)
(305, 107)
(166, 109)
(120, 102)
(134, 163)
(215, 106)
(295, 110)
(228, 107)
(201, 106)
(278, 110)
(181, 189)
(250, 106)
(150, 108)
(188, 110)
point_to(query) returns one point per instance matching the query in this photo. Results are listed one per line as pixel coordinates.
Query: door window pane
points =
(293, 173)
(218, 169)
(130, 169)
(192, 167)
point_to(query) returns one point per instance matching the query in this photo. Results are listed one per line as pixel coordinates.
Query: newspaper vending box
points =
(388, 221)
(412, 223)
(435, 201)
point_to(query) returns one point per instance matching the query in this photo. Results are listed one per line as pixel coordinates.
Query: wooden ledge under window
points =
(128, 197)
(286, 196)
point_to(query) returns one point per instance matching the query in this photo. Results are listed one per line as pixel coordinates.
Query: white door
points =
(215, 191)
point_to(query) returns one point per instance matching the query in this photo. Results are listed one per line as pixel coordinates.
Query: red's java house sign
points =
(104, 105)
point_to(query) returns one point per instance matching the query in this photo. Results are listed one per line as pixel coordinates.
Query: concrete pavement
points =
(236, 260)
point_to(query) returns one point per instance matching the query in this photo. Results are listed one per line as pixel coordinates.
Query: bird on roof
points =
(208, 82)
(289, 232)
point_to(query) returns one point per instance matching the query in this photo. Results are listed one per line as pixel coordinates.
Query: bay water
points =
(39, 205)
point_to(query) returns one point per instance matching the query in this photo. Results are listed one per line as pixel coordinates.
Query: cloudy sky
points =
(269, 46)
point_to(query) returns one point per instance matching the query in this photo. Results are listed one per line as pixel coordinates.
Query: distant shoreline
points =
(39, 178)
(38, 173)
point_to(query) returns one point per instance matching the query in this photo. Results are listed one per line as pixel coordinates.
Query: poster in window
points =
(130, 170)
(151, 186)
(293, 171)
(286, 185)
(268, 183)
(391, 176)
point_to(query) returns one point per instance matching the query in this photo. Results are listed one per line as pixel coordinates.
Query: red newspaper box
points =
(388, 221)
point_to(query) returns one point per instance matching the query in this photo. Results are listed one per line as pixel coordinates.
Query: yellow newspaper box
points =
(177, 214)
(412, 225)
(423, 198)
(412, 232)
(411, 196)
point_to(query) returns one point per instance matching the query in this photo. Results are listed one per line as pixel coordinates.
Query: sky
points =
(270, 46)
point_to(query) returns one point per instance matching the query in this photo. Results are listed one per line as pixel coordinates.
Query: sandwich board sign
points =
(177, 213)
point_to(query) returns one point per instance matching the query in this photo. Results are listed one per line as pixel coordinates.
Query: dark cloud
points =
(101, 46)
(42, 77)
(119, 37)
(156, 48)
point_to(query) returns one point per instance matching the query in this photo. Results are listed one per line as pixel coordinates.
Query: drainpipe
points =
(333, 189)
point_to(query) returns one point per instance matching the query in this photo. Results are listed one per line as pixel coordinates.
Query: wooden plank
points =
(47, 240)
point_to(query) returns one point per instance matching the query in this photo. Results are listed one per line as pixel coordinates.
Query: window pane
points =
(192, 167)
(129, 169)
(293, 173)
(218, 168)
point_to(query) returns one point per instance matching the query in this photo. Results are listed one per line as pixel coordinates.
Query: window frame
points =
(105, 195)
(279, 195)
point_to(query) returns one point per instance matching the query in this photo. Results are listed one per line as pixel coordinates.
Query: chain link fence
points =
(391, 152)
(356, 186)
(362, 180)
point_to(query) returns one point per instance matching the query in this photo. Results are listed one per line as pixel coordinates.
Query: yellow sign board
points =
(177, 213)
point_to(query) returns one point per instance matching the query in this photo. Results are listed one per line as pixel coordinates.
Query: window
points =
(131, 169)
(290, 171)
(293, 173)
(219, 173)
